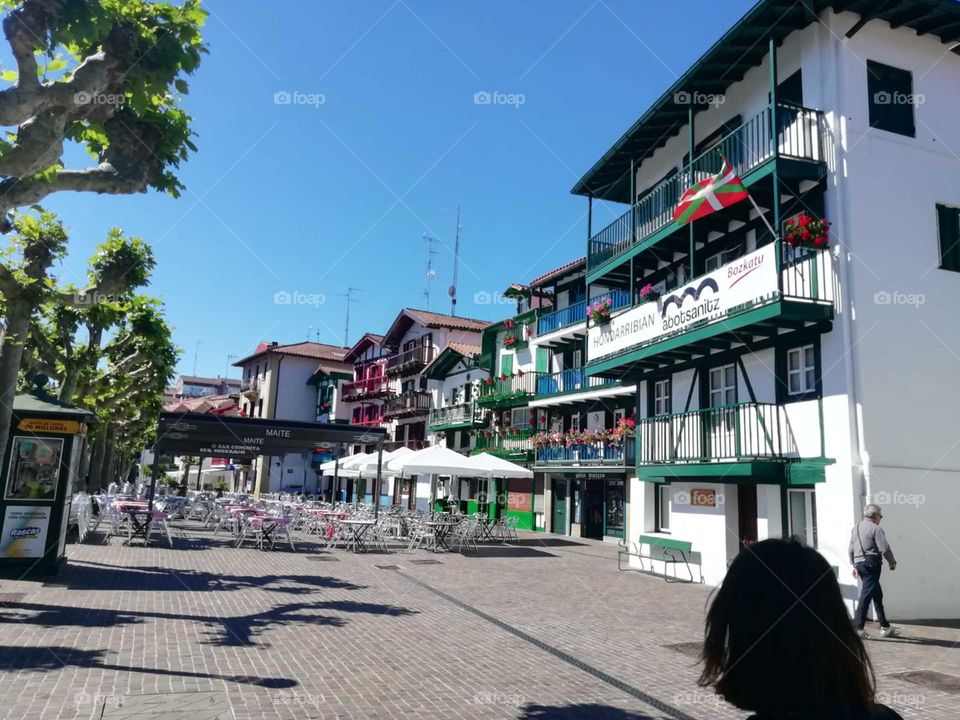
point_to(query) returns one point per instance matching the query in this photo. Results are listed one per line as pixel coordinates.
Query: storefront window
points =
(614, 508)
(34, 467)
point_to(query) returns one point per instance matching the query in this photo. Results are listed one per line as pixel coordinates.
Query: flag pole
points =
(763, 217)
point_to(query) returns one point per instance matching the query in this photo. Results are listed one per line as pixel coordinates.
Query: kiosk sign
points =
(24, 531)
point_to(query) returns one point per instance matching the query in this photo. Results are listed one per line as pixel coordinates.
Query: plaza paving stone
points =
(543, 628)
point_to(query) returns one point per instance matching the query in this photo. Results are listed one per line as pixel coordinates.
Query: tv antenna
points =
(350, 299)
(431, 273)
(452, 290)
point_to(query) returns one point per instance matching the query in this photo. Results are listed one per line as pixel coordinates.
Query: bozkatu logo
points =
(25, 532)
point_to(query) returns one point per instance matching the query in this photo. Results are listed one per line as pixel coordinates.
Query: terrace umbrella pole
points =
(335, 488)
(154, 469)
(376, 497)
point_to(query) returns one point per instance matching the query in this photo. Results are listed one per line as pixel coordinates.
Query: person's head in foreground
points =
(779, 640)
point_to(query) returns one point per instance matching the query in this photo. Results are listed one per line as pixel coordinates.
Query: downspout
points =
(860, 457)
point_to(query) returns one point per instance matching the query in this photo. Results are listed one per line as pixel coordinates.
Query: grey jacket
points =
(868, 541)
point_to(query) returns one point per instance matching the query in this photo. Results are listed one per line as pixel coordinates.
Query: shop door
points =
(593, 510)
(747, 513)
(559, 524)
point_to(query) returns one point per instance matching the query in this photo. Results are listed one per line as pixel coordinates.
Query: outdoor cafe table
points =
(269, 525)
(358, 528)
(139, 518)
(441, 528)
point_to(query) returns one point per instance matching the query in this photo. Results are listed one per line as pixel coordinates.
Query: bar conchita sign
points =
(706, 300)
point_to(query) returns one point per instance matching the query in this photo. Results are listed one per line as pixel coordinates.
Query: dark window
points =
(791, 89)
(948, 224)
(890, 96)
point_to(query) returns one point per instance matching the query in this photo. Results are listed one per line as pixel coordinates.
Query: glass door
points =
(723, 418)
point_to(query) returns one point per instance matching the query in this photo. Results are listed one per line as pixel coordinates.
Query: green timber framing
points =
(786, 470)
(327, 383)
(451, 362)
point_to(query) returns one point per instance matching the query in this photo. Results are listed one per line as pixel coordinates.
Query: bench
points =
(671, 551)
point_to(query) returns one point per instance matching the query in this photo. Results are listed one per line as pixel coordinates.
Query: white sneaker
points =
(889, 631)
(863, 634)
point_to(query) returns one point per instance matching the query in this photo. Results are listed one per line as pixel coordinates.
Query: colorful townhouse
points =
(786, 371)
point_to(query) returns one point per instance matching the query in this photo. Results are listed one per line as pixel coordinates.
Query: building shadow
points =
(593, 711)
(48, 659)
(546, 542)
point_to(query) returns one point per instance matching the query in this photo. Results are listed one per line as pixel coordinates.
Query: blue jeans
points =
(870, 591)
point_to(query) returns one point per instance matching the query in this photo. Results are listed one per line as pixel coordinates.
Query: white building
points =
(780, 389)
(283, 382)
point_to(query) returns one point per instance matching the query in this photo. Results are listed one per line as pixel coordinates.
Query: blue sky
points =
(312, 198)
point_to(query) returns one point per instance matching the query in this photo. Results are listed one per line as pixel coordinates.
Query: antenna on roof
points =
(452, 290)
(350, 299)
(431, 273)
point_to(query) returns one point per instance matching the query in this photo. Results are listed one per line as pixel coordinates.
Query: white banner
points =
(702, 301)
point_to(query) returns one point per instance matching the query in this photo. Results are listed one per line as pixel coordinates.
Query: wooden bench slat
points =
(667, 543)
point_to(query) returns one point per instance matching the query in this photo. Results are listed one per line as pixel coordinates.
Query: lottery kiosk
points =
(38, 474)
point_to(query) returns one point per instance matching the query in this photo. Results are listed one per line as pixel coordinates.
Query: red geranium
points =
(804, 230)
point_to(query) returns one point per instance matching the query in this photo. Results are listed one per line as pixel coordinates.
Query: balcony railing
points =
(373, 387)
(576, 314)
(569, 381)
(410, 362)
(515, 445)
(504, 392)
(368, 419)
(462, 415)
(250, 385)
(416, 402)
(600, 453)
(747, 431)
(799, 137)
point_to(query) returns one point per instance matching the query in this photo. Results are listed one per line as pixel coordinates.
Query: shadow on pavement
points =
(88, 575)
(45, 659)
(578, 712)
(492, 551)
(230, 631)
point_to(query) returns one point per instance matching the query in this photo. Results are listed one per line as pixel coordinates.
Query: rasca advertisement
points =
(24, 532)
(707, 299)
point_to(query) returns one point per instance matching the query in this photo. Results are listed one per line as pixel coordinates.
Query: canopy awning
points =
(500, 468)
(435, 460)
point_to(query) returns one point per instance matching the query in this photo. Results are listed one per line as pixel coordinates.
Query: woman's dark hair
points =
(778, 636)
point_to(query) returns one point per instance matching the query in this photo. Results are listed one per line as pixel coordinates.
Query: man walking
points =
(868, 547)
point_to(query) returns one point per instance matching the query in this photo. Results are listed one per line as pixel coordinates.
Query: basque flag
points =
(707, 196)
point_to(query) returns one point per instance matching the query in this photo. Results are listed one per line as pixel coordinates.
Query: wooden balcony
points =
(250, 387)
(367, 389)
(407, 404)
(410, 362)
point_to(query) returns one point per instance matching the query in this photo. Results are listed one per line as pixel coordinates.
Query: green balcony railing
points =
(452, 416)
(732, 433)
(516, 445)
(799, 136)
(509, 391)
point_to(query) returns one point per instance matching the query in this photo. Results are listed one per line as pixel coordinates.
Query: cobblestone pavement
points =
(543, 628)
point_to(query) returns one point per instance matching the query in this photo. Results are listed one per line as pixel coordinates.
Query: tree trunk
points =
(96, 461)
(111, 434)
(185, 480)
(18, 327)
(69, 385)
